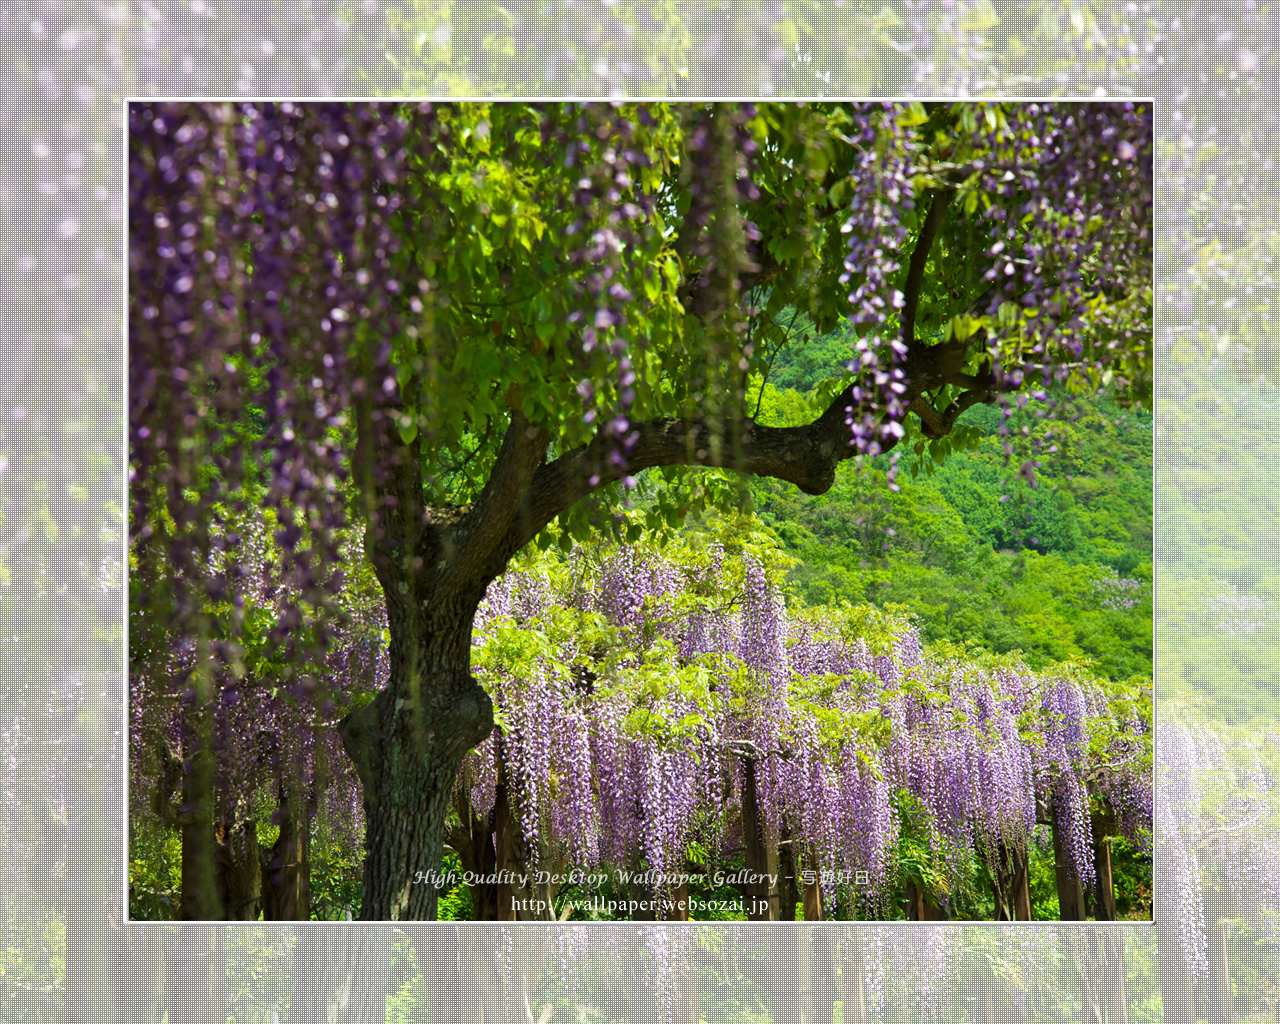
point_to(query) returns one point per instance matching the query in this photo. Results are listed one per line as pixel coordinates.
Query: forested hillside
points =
(1056, 563)
(1219, 595)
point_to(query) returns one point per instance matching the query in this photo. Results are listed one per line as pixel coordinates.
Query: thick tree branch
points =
(806, 456)
(468, 545)
(936, 424)
(919, 257)
(162, 795)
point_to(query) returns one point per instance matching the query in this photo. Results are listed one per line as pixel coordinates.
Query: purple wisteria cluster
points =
(877, 232)
(260, 236)
(613, 218)
(270, 738)
(1116, 592)
(1233, 612)
(1071, 219)
(1217, 810)
(834, 719)
(1065, 196)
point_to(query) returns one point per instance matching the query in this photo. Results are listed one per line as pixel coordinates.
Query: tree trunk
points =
(196, 976)
(824, 973)
(1104, 893)
(1096, 955)
(853, 988)
(455, 980)
(522, 897)
(761, 857)
(1114, 991)
(286, 867)
(915, 903)
(200, 899)
(1010, 883)
(1221, 1000)
(645, 900)
(1070, 891)
(340, 973)
(473, 843)
(239, 872)
(286, 872)
(407, 745)
(508, 849)
(487, 974)
(689, 992)
(800, 940)
(137, 980)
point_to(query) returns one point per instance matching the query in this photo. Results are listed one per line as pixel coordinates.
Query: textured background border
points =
(67, 69)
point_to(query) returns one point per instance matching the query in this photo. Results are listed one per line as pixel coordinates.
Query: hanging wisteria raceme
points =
(260, 234)
(1216, 810)
(881, 194)
(1072, 277)
(717, 178)
(1066, 708)
(632, 584)
(333, 309)
(760, 647)
(1179, 806)
(618, 728)
(613, 216)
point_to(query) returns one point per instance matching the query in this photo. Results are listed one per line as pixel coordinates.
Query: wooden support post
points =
(1104, 893)
(811, 891)
(1070, 890)
(689, 986)
(788, 880)
(1113, 990)
(196, 976)
(1221, 1000)
(921, 905)
(676, 905)
(506, 841)
(1010, 882)
(1022, 884)
(761, 857)
(853, 988)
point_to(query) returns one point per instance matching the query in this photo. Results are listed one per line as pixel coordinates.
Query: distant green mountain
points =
(1219, 569)
(1057, 563)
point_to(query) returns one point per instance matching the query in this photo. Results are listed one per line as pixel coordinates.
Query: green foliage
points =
(1042, 878)
(32, 960)
(636, 666)
(155, 871)
(455, 902)
(259, 973)
(1131, 876)
(921, 861)
(1220, 591)
(337, 878)
(407, 998)
(976, 553)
